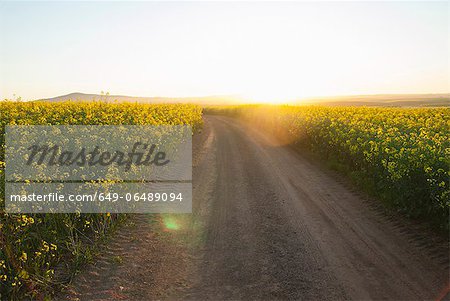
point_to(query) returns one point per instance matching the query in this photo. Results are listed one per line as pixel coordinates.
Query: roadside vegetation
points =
(399, 155)
(41, 251)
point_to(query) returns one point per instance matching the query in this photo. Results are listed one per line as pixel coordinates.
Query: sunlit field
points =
(400, 155)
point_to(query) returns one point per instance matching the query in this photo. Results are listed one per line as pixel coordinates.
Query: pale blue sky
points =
(262, 49)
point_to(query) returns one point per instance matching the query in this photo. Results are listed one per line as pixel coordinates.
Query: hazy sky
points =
(265, 50)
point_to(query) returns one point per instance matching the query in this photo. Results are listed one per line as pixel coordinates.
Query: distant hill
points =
(203, 100)
(384, 100)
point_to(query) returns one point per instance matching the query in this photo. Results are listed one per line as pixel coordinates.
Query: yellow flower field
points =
(34, 245)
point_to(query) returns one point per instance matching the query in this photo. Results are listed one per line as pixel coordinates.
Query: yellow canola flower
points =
(23, 257)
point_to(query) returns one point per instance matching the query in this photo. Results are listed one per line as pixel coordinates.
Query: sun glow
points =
(271, 52)
(268, 97)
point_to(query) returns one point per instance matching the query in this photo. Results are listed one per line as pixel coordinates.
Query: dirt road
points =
(269, 224)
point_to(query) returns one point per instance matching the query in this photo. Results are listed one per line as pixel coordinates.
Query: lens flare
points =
(170, 223)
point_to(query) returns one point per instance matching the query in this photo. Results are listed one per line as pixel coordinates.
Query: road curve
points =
(277, 226)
